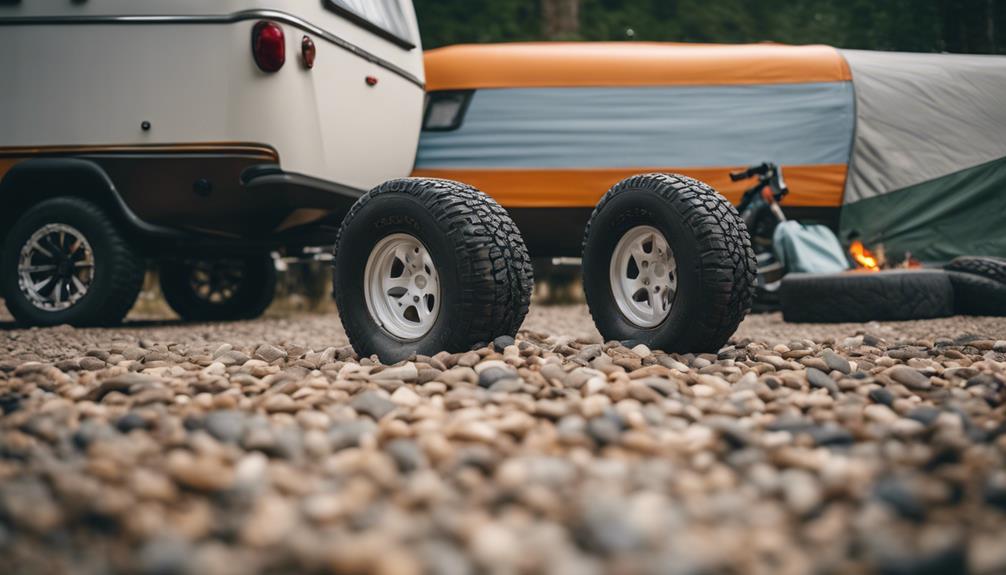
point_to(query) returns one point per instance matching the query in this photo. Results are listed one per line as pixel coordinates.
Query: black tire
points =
(978, 295)
(891, 295)
(251, 281)
(117, 273)
(987, 267)
(712, 249)
(483, 265)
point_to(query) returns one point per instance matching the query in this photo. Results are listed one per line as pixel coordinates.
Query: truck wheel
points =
(977, 295)
(429, 265)
(667, 261)
(860, 296)
(219, 289)
(64, 262)
(987, 267)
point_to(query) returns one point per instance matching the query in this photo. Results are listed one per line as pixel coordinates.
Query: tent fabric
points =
(959, 214)
(922, 117)
(568, 64)
(790, 124)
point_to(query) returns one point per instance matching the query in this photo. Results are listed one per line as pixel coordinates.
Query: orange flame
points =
(863, 256)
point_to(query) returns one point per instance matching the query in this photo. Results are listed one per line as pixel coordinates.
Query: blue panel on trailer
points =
(706, 126)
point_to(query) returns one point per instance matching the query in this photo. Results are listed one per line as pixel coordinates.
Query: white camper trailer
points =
(204, 135)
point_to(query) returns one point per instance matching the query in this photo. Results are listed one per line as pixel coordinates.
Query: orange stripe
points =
(810, 186)
(560, 64)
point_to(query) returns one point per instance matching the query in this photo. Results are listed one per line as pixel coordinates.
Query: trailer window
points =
(383, 17)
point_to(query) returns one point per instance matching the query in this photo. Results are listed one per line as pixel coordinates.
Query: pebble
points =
(407, 372)
(269, 353)
(225, 425)
(910, 378)
(201, 474)
(489, 376)
(836, 362)
(280, 403)
(405, 397)
(819, 379)
(502, 342)
(372, 404)
(239, 448)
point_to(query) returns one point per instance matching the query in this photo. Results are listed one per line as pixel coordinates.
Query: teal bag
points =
(808, 249)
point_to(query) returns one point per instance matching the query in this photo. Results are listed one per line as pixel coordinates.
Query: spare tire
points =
(864, 296)
(667, 262)
(428, 265)
(978, 295)
(986, 267)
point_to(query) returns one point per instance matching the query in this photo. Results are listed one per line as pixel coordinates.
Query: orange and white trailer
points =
(904, 150)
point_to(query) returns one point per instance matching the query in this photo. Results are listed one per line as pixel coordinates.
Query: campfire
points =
(864, 257)
(877, 259)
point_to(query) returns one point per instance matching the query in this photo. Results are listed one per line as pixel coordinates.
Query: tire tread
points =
(489, 248)
(728, 264)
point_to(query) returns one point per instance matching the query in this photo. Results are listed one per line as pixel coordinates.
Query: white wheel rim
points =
(644, 276)
(402, 287)
(55, 267)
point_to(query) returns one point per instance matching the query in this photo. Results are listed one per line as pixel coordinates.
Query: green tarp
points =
(937, 220)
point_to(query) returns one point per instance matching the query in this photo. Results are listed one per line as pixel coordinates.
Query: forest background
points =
(962, 26)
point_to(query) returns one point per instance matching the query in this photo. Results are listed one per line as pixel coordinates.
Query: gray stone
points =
(925, 414)
(836, 362)
(225, 425)
(130, 421)
(882, 396)
(502, 342)
(348, 433)
(372, 404)
(604, 429)
(406, 453)
(819, 379)
(910, 378)
(269, 353)
(831, 436)
(493, 374)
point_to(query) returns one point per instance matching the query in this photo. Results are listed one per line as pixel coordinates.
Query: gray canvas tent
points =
(927, 172)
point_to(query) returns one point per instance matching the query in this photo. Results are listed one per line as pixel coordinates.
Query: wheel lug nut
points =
(415, 298)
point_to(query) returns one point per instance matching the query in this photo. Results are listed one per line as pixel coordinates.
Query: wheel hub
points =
(216, 281)
(55, 267)
(402, 287)
(643, 276)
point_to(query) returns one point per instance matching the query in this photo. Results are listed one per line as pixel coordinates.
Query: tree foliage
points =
(977, 26)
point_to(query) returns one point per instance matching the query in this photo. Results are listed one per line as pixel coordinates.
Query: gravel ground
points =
(267, 446)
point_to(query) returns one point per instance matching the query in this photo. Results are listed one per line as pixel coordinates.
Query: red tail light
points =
(268, 46)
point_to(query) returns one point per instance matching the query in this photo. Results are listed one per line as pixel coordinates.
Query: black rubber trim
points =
(299, 191)
(63, 167)
(277, 15)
